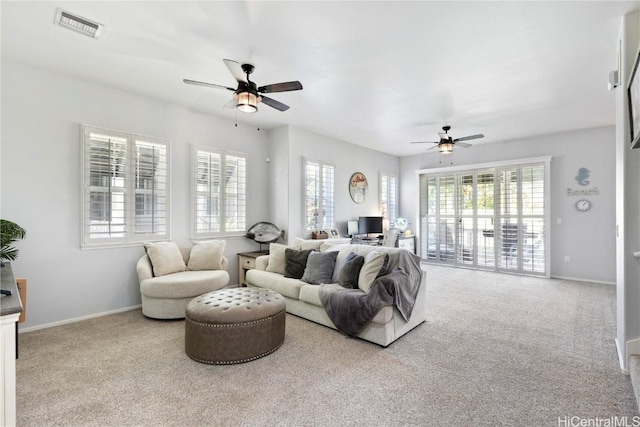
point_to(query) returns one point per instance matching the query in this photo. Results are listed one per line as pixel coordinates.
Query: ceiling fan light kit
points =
(446, 147)
(446, 143)
(247, 102)
(247, 94)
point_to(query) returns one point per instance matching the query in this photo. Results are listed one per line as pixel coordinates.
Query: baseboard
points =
(578, 279)
(621, 358)
(77, 319)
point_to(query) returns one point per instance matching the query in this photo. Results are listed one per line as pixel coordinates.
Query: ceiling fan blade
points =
(236, 70)
(280, 87)
(194, 82)
(469, 138)
(435, 147)
(425, 142)
(275, 104)
(462, 144)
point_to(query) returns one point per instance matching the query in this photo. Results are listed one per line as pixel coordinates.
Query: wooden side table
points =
(247, 261)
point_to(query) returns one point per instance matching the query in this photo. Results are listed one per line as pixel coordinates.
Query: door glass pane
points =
(486, 246)
(533, 249)
(464, 220)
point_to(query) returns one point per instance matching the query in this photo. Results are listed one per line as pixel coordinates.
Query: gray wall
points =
(587, 238)
(41, 116)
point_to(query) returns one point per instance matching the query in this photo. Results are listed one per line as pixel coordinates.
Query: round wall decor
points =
(358, 187)
(583, 205)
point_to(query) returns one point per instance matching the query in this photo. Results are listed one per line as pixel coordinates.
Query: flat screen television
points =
(370, 225)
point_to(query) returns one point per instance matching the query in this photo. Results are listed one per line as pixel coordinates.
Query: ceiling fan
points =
(247, 95)
(446, 143)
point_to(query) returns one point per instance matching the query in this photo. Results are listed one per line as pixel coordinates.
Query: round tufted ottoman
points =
(234, 325)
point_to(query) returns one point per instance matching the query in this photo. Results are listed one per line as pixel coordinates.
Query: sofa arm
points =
(144, 269)
(261, 262)
(225, 263)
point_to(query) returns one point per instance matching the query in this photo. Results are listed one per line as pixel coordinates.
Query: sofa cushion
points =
(311, 295)
(303, 244)
(350, 273)
(320, 267)
(206, 255)
(295, 262)
(184, 284)
(277, 261)
(375, 265)
(284, 286)
(165, 258)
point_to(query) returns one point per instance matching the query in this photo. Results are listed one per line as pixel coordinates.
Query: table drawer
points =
(248, 262)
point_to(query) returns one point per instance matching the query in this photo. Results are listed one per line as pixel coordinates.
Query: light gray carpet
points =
(496, 350)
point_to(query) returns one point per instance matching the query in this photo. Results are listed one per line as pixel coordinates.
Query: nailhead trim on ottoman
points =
(234, 325)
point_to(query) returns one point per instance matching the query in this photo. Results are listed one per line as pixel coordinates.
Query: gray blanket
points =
(351, 309)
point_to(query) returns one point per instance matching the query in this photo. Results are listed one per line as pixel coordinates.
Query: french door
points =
(492, 217)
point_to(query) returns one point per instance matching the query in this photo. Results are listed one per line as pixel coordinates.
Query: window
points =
(388, 198)
(125, 195)
(220, 192)
(492, 217)
(319, 196)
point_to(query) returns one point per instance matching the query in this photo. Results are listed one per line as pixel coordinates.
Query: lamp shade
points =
(247, 102)
(446, 147)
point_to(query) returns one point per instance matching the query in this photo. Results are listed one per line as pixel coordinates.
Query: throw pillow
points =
(277, 262)
(319, 268)
(207, 255)
(351, 271)
(295, 262)
(340, 260)
(375, 265)
(165, 258)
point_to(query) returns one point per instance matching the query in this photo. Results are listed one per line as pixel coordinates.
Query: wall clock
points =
(358, 187)
(583, 205)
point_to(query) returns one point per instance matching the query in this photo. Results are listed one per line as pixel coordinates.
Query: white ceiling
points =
(378, 74)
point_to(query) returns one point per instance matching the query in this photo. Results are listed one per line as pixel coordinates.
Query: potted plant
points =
(10, 232)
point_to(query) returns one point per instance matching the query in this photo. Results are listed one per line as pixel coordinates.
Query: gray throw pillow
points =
(348, 277)
(296, 261)
(319, 268)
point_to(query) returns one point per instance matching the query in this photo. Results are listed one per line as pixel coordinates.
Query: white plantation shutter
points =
(151, 188)
(319, 196)
(328, 196)
(492, 217)
(125, 197)
(235, 197)
(388, 198)
(220, 191)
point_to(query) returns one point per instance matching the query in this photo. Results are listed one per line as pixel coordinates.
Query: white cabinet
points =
(408, 243)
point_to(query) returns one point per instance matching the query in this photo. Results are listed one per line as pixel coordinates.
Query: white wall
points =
(40, 178)
(348, 158)
(279, 177)
(587, 238)
(627, 202)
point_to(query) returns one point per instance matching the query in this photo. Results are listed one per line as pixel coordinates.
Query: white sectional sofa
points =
(303, 299)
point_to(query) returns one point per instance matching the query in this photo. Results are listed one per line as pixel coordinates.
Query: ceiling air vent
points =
(79, 24)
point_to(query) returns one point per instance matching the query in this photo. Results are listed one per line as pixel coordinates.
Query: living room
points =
(44, 105)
